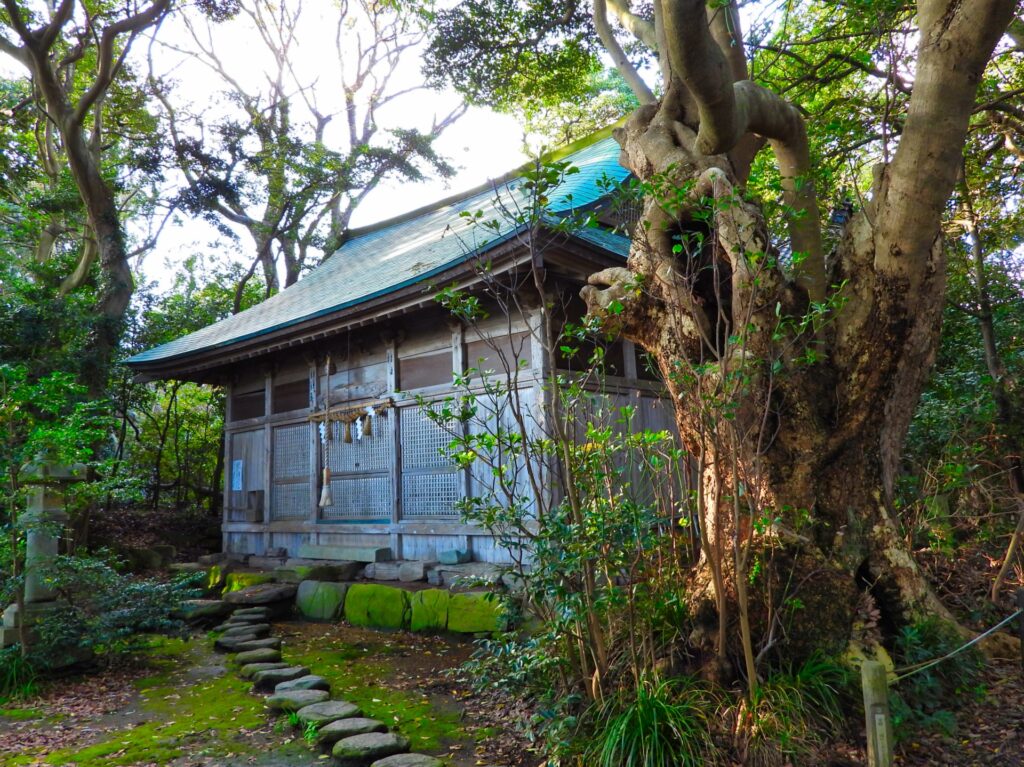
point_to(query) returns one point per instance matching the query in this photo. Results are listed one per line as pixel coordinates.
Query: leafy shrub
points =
(18, 674)
(666, 723)
(106, 611)
(926, 699)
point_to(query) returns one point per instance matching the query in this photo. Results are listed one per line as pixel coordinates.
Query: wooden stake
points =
(876, 713)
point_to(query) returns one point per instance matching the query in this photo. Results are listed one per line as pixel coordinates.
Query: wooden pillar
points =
(314, 448)
(225, 513)
(396, 448)
(268, 458)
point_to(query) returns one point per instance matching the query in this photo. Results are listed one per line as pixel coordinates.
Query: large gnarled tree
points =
(74, 51)
(794, 372)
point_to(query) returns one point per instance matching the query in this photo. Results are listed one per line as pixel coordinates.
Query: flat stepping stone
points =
(339, 729)
(274, 643)
(329, 711)
(258, 630)
(259, 655)
(251, 612)
(362, 750)
(408, 760)
(296, 699)
(250, 669)
(308, 682)
(231, 644)
(265, 681)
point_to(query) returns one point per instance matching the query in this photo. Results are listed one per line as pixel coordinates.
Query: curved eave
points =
(211, 364)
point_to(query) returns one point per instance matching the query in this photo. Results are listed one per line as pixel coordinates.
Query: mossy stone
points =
(293, 700)
(361, 750)
(321, 600)
(473, 613)
(375, 606)
(340, 729)
(429, 610)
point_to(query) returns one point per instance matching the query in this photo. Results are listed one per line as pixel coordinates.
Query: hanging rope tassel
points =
(368, 422)
(348, 433)
(326, 499)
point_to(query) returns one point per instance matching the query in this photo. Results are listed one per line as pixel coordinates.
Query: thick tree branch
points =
(729, 111)
(957, 40)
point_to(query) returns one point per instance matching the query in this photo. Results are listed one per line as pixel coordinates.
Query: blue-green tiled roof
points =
(410, 250)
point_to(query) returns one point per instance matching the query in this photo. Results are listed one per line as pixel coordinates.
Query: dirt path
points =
(176, 704)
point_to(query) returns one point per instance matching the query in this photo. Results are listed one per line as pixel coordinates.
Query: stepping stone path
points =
(340, 729)
(249, 669)
(296, 699)
(265, 681)
(408, 760)
(260, 655)
(309, 682)
(362, 750)
(327, 712)
(354, 740)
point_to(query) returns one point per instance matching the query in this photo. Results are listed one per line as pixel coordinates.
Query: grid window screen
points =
(291, 451)
(432, 495)
(359, 498)
(424, 443)
(374, 452)
(290, 501)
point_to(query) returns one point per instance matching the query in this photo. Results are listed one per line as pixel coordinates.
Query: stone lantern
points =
(43, 520)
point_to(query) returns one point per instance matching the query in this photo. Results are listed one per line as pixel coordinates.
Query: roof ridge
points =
(553, 155)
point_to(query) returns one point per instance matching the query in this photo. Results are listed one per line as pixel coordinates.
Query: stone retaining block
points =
(321, 600)
(374, 606)
(429, 610)
(472, 613)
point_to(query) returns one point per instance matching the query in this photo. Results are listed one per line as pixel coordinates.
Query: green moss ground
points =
(204, 718)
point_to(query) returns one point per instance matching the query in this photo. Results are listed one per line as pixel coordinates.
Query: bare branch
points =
(604, 31)
(108, 64)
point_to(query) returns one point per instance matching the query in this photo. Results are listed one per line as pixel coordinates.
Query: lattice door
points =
(290, 472)
(431, 483)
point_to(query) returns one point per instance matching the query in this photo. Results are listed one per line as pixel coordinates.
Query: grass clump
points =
(661, 723)
(792, 714)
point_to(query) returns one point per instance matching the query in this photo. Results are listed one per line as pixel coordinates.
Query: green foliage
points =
(18, 674)
(505, 52)
(928, 698)
(105, 612)
(662, 723)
